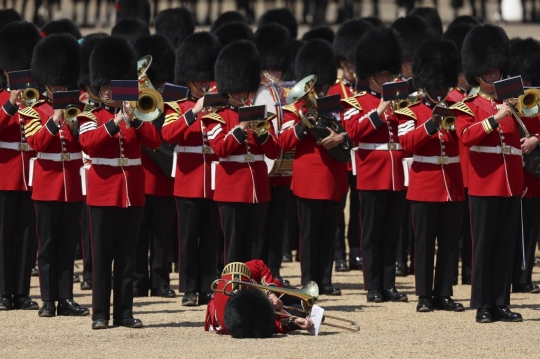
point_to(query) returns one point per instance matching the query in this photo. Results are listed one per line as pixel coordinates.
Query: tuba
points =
(150, 103)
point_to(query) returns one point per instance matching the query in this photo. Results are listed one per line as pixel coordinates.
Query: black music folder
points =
(20, 80)
(215, 100)
(329, 104)
(509, 88)
(395, 90)
(125, 90)
(63, 99)
(251, 113)
(173, 92)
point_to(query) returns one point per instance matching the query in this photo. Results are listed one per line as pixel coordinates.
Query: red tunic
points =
(316, 175)
(430, 182)
(53, 180)
(119, 186)
(156, 182)
(531, 184)
(490, 174)
(457, 95)
(375, 169)
(192, 179)
(245, 182)
(344, 90)
(216, 308)
(14, 163)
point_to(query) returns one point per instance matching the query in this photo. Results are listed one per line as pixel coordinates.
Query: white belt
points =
(116, 162)
(436, 160)
(207, 150)
(59, 157)
(506, 150)
(17, 146)
(392, 146)
(248, 157)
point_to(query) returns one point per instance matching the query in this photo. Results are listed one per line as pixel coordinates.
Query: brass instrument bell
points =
(29, 96)
(150, 103)
(527, 104)
(304, 92)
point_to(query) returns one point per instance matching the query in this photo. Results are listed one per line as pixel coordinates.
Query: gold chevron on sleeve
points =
(32, 127)
(170, 118)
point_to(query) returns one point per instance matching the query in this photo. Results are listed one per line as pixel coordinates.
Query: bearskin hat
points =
(63, 26)
(17, 42)
(130, 29)
(56, 60)
(249, 314)
(316, 58)
(175, 24)
(373, 20)
(485, 47)
(238, 68)
(274, 44)
(432, 17)
(378, 50)
(233, 31)
(347, 36)
(282, 16)
(113, 58)
(525, 60)
(463, 19)
(163, 58)
(196, 58)
(226, 17)
(436, 64)
(139, 9)
(457, 34)
(413, 31)
(7, 16)
(87, 45)
(295, 48)
(322, 32)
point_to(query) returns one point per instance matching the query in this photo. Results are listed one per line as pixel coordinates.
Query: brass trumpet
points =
(150, 103)
(71, 112)
(261, 127)
(527, 104)
(29, 96)
(308, 294)
(404, 103)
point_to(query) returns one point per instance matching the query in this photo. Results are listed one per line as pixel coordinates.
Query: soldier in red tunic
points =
(18, 220)
(486, 127)
(370, 122)
(198, 216)
(241, 176)
(435, 180)
(57, 194)
(115, 193)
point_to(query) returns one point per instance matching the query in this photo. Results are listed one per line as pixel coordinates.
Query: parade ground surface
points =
(388, 330)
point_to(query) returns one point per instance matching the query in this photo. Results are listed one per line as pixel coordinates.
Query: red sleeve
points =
(92, 136)
(270, 145)
(223, 141)
(39, 137)
(413, 136)
(291, 132)
(149, 135)
(6, 113)
(471, 132)
(260, 272)
(176, 123)
(362, 124)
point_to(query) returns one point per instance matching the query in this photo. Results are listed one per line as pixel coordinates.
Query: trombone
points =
(150, 103)
(308, 294)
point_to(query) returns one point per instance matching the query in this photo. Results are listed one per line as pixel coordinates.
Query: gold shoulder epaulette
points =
(406, 111)
(291, 108)
(352, 101)
(214, 116)
(88, 107)
(174, 106)
(89, 115)
(470, 97)
(29, 112)
(460, 106)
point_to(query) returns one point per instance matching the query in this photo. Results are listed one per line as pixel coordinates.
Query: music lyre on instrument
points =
(308, 294)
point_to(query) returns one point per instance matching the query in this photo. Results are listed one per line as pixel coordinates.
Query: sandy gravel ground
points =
(390, 330)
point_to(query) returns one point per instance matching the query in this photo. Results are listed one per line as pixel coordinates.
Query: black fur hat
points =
(436, 64)
(432, 17)
(175, 24)
(525, 60)
(295, 48)
(463, 19)
(139, 9)
(113, 58)
(130, 29)
(373, 20)
(413, 31)
(249, 314)
(196, 58)
(347, 36)
(238, 68)
(56, 60)
(322, 32)
(87, 45)
(63, 26)
(485, 47)
(226, 17)
(163, 58)
(282, 16)
(457, 34)
(7, 16)
(274, 44)
(378, 50)
(316, 58)
(233, 31)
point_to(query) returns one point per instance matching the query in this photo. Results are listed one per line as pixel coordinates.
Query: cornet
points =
(29, 96)
(71, 112)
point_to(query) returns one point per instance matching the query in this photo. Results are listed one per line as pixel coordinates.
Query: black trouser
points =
(405, 246)
(353, 230)
(114, 232)
(381, 214)
(155, 233)
(242, 225)
(57, 235)
(291, 239)
(439, 221)
(531, 233)
(318, 223)
(494, 222)
(466, 243)
(17, 241)
(86, 245)
(198, 230)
